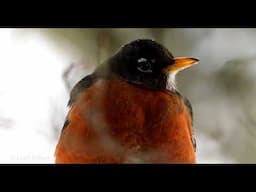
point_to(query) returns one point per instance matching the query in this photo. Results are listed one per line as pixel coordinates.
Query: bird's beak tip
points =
(195, 60)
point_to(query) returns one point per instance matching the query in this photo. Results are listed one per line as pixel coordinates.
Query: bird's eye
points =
(144, 65)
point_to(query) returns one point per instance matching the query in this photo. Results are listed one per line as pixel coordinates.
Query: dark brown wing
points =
(84, 83)
(189, 107)
(190, 110)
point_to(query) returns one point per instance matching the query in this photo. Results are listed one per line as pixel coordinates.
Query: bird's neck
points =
(171, 82)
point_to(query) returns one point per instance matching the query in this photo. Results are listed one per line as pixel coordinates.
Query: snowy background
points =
(39, 66)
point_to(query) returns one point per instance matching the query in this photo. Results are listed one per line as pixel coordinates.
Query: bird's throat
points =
(171, 82)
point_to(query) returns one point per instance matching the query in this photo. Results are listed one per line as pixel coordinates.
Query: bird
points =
(129, 110)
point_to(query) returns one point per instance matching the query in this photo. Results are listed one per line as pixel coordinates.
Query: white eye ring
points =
(144, 66)
(142, 60)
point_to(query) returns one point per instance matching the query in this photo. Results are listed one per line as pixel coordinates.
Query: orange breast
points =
(117, 122)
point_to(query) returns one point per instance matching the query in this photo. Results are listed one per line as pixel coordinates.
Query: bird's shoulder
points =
(187, 104)
(83, 84)
(189, 108)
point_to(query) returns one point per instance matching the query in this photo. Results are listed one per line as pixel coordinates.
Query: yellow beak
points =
(180, 63)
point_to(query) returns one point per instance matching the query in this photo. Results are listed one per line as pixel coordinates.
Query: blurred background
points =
(40, 66)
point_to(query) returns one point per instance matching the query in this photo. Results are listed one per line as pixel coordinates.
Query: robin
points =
(130, 111)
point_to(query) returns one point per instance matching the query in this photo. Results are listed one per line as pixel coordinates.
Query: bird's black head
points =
(147, 63)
